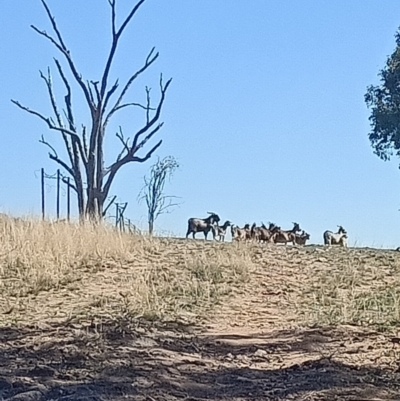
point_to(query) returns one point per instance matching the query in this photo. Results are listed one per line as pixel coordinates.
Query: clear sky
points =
(265, 114)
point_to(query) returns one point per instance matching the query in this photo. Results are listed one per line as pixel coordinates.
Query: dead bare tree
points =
(153, 190)
(85, 146)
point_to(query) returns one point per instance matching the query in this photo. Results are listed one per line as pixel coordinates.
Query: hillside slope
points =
(90, 314)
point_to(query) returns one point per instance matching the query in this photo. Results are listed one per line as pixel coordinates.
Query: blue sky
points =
(265, 114)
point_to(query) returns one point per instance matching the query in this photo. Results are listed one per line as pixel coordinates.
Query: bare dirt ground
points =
(296, 329)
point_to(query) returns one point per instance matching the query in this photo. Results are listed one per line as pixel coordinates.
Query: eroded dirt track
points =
(119, 360)
(255, 345)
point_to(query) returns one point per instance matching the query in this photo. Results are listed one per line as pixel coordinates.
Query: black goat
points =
(196, 225)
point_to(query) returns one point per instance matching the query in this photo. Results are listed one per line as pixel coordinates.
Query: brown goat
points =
(263, 234)
(302, 238)
(241, 234)
(285, 236)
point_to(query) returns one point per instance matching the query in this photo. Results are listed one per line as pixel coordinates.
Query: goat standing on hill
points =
(196, 225)
(302, 238)
(220, 231)
(241, 234)
(339, 238)
(263, 234)
(285, 236)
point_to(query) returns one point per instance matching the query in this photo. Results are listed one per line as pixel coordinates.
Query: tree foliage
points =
(153, 189)
(384, 102)
(84, 145)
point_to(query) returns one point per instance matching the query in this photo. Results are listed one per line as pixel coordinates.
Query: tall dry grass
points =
(96, 269)
(360, 287)
(63, 271)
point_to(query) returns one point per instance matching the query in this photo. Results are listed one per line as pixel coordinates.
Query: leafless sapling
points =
(153, 190)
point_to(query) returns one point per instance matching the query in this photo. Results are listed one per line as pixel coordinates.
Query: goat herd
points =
(271, 234)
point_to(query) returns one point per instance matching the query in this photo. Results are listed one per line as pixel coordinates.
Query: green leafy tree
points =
(384, 102)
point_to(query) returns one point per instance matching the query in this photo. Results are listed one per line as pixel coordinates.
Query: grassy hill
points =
(161, 318)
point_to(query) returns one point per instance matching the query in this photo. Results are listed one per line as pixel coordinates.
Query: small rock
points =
(242, 358)
(260, 353)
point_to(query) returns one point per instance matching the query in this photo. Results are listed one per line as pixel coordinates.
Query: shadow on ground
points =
(121, 359)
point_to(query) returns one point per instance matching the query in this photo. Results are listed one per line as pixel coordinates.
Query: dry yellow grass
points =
(276, 322)
(66, 271)
(72, 270)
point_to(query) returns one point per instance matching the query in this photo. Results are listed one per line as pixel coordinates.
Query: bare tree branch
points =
(149, 61)
(49, 85)
(134, 104)
(50, 123)
(155, 117)
(42, 140)
(167, 208)
(126, 159)
(65, 181)
(64, 50)
(112, 4)
(47, 120)
(53, 23)
(63, 164)
(85, 148)
(56, 158)
(109, 204)
(148, 155)
(96, 88)
(146, 139)
(148, 105)
(129, 17)
(124, 141)
(110, 93)
(67, 97)
(116, 35)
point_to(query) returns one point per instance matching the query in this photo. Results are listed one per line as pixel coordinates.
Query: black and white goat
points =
(219, 232)
(339, 238)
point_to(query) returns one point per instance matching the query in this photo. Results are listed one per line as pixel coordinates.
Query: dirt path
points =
(120, 360)
(252, 346)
